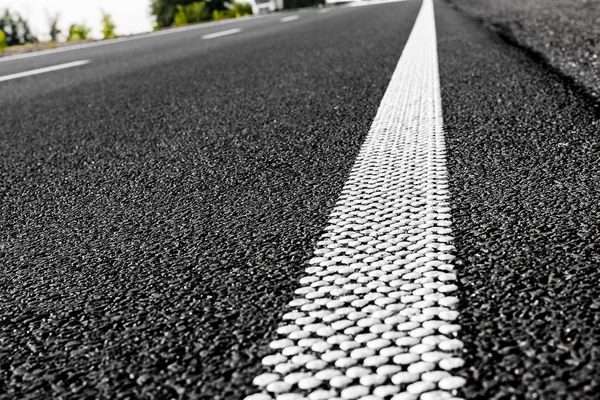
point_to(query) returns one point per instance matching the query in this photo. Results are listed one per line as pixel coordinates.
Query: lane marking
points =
(375, 315)
(290, 18)
(324, 10)
(222, 33)
(43, 70)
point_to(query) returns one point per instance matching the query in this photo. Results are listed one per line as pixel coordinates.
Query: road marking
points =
(43, 70)
(222, 33)
(375, 313)
(290, 18)
(324, 10)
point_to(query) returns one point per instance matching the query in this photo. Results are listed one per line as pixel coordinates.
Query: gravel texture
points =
(157, 206)
(523, 151)
(564, 34)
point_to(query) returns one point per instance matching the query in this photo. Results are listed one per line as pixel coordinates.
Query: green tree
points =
(165, 10)
(108, 26)
(78, 32)
(54, 31)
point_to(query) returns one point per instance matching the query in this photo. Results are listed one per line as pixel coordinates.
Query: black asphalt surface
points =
(157, 204)
(562, 34)
(523, 151)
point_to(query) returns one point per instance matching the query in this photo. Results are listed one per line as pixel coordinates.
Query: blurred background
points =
(29, 25)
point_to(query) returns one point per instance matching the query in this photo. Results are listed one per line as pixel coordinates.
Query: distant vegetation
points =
(192, 13)
(78, 32)
(183, 12)
(15, 30)
(54, 31)
(108, 26)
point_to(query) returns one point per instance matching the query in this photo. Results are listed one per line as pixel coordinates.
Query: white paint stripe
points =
(222, 33)
(168, 31)
(374, 317)
(290, 18)
(324, 10)
(43, 70)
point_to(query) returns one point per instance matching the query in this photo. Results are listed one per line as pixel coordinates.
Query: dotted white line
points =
(290, 18)
(44, 70)
(375, 315)
(222, 33)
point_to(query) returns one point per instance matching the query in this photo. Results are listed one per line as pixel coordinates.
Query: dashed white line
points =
(290, 18)
(375, 316)
(324, 10)
(43, 70)
(222, 33)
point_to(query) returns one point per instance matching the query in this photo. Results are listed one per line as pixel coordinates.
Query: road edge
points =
(505, 32)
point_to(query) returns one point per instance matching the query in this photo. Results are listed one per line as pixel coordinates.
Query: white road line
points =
(375, 316)
(324, 10)
(43, 70)
(290, 18)
(222, 33)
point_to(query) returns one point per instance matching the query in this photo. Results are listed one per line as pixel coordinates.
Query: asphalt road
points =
(562, 34)
(522, 159)
(158, 204)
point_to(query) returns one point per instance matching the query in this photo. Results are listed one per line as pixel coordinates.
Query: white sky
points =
(130, 16)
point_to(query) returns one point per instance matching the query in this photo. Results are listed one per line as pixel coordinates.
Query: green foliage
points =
(165, 10)
(78, 32)
(181, 16)
(225, 14)
(108, 26)
(54, 31)
(236, 10)
(241, 9)
(8, 25)
(3, 44)
(15, 29)
(192, 13)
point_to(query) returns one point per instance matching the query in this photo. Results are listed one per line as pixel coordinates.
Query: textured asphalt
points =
(562, 34)
(523, 151)
(157, 204)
